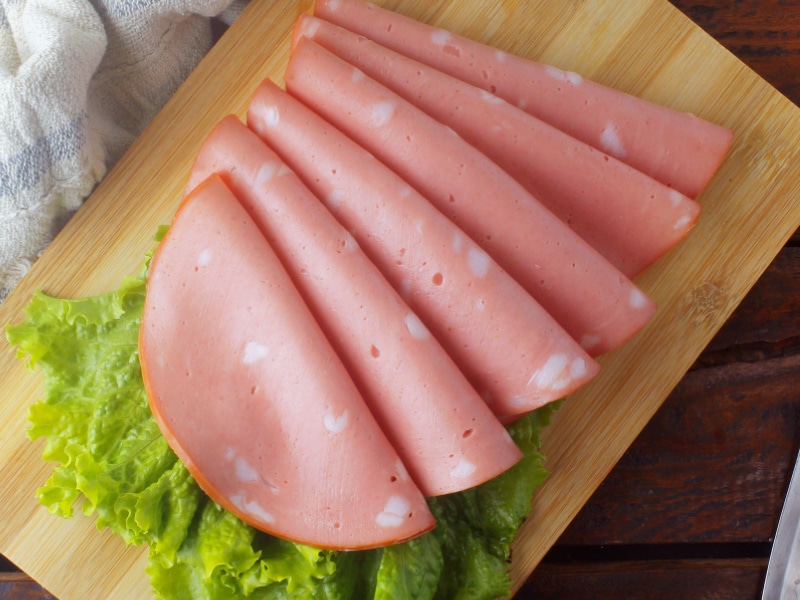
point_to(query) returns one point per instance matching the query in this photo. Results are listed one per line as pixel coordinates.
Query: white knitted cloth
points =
(79, 81)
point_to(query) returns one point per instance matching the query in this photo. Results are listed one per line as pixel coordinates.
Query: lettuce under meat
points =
(111, 458)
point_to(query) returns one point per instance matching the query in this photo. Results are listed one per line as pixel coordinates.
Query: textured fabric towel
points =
(79, 81)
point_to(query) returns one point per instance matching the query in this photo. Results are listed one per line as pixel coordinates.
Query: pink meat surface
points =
(509, 347)
(628, 217)
(676, 148)
(442, 430)
(253, 398)
(595, 303)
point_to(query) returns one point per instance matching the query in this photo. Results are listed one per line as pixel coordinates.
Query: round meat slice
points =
(252, 397)
(443, 431)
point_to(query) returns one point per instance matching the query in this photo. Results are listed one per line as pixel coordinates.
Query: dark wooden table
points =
(691, 509)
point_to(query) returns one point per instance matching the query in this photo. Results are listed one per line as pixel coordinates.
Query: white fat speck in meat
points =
(463, 469)
(440, 37)
(259, 512)
(204, 258)
(549, 373)
(574, 78)
(357, 75)
(336, 424)
(350, 242)
(335, 199)
(265, 174)
(500, 56)
(518, 400)
(578, 368)
(253, 352)
(566, 76)
(416, 327)
(682, 222)
(272, 117)
(312, 26)
(382, 113)
(478, 261)
(491, 98)
(555, 73)
(589, 341)
(252, 508)
(458, 242)
(611, 142)
(638, 299)
(560, 384)
(245, 472)
(394, 513)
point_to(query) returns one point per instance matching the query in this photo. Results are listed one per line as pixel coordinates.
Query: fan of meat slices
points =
(419, 240)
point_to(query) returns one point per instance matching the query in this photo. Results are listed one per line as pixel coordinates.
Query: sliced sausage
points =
(595, 303)
(676, 148)
(509, 347)
(252, 397)
(442, 430)
(628, 217)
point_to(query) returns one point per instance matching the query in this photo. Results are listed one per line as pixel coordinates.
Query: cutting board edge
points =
(2, 314)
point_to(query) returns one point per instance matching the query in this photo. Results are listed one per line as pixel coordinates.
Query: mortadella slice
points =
(628, 217)
(251, 396)
(511, 349)
(595, 303)
(446, 436)
(676, 148)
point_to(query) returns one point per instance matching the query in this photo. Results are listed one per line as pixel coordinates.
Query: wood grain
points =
(641, 580)
(648, 48)
(765, 34)
(702, 448)
(17, 586)
(712, 465)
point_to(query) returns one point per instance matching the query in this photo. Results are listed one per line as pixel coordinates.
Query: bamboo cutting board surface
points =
(646, 48)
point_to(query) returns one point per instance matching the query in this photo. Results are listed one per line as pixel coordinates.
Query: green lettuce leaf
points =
(111, 460)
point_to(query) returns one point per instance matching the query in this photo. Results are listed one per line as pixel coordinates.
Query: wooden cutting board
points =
(646, 48)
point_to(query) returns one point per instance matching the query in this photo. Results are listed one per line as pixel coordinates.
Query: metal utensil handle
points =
(782, 581)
